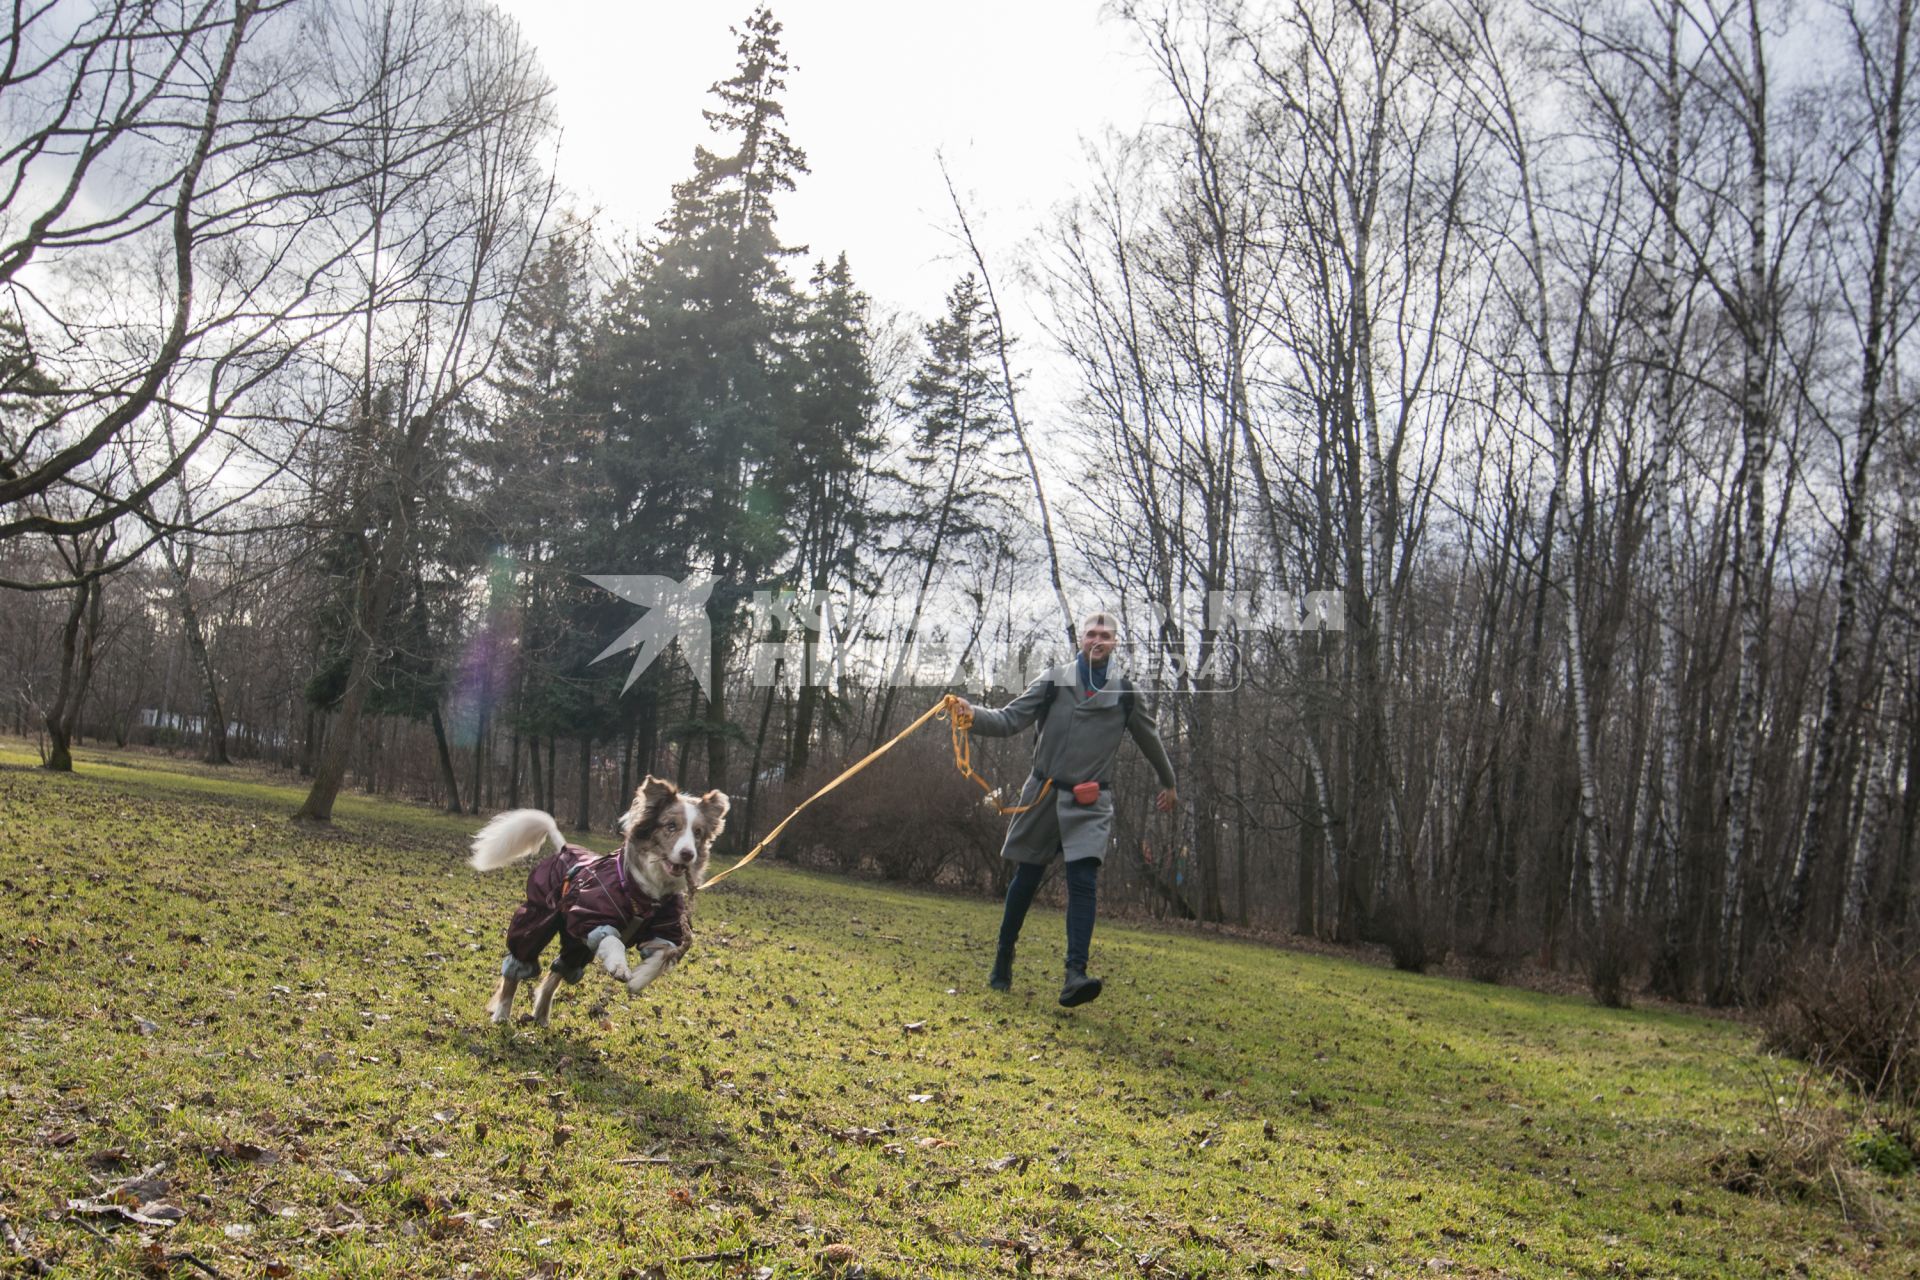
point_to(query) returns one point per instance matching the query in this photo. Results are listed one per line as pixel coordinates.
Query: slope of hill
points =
(271, 1038)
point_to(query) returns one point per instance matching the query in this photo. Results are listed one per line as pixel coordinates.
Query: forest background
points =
(1487, 419)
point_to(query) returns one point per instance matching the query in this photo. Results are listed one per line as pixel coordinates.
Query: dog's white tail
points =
(513, 835)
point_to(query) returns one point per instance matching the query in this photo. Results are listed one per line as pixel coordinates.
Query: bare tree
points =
(1009, 386)
(114, 118)
(453, 200)
(1884, 51)
(84, 556)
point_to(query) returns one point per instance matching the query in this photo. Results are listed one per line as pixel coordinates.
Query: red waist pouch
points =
(1086, 793)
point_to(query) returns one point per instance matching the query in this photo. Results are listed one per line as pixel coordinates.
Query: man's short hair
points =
(1101, 618)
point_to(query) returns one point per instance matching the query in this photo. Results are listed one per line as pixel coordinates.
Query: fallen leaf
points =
(452, 1225)
(154, 1213)
(233, 1152)
(140, 1188)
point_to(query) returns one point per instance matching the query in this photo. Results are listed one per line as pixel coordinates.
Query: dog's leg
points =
(658, 955)
(500, 1008)
(543, 998)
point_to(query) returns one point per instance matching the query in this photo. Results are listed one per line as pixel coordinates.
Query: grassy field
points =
(281, 1031)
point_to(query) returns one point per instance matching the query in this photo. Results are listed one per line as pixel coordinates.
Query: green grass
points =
(290, 1022)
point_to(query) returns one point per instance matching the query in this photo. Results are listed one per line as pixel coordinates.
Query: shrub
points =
(908, 816)
(1809, 1149)
(1405, 923)
(1493, 967)
(1610, 964)
(1856, 1014)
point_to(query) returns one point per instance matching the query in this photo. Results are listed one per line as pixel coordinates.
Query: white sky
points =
(1006, 89)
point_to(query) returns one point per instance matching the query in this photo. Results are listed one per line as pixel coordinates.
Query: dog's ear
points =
(714, 805)
(652, 794)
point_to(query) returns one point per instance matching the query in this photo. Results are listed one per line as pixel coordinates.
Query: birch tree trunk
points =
(1863, 863)
(1663, 824)
(1755, 323)
(1873, 362)
(1560, 534)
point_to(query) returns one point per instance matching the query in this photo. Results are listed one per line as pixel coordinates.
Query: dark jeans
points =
(1082, 876)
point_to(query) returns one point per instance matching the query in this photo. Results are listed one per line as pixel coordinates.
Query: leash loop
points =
(962, 722)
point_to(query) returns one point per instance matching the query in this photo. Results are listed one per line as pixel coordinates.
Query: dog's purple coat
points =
(574, 891)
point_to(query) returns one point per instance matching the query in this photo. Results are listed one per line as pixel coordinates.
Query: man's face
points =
(1096, 641)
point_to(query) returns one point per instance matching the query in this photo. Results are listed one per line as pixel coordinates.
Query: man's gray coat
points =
(1078, 742)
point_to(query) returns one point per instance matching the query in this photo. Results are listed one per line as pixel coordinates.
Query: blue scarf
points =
(1092, 677)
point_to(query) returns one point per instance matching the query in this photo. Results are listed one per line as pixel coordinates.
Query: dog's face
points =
(669, 834)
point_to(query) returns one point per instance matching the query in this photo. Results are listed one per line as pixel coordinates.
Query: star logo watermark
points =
(675, 611)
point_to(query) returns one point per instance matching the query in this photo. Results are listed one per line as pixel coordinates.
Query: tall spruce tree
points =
(694, 369)
(837, 437)
(536, 446)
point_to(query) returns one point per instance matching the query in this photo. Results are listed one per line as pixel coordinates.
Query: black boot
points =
(1001, 979)
(1079, 988)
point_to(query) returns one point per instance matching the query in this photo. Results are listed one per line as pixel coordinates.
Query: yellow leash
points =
(963, 756)
(962, 760)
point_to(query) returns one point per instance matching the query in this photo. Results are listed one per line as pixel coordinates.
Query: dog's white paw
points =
(612, 955)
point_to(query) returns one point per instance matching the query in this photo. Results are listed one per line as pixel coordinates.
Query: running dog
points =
(597, 904)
